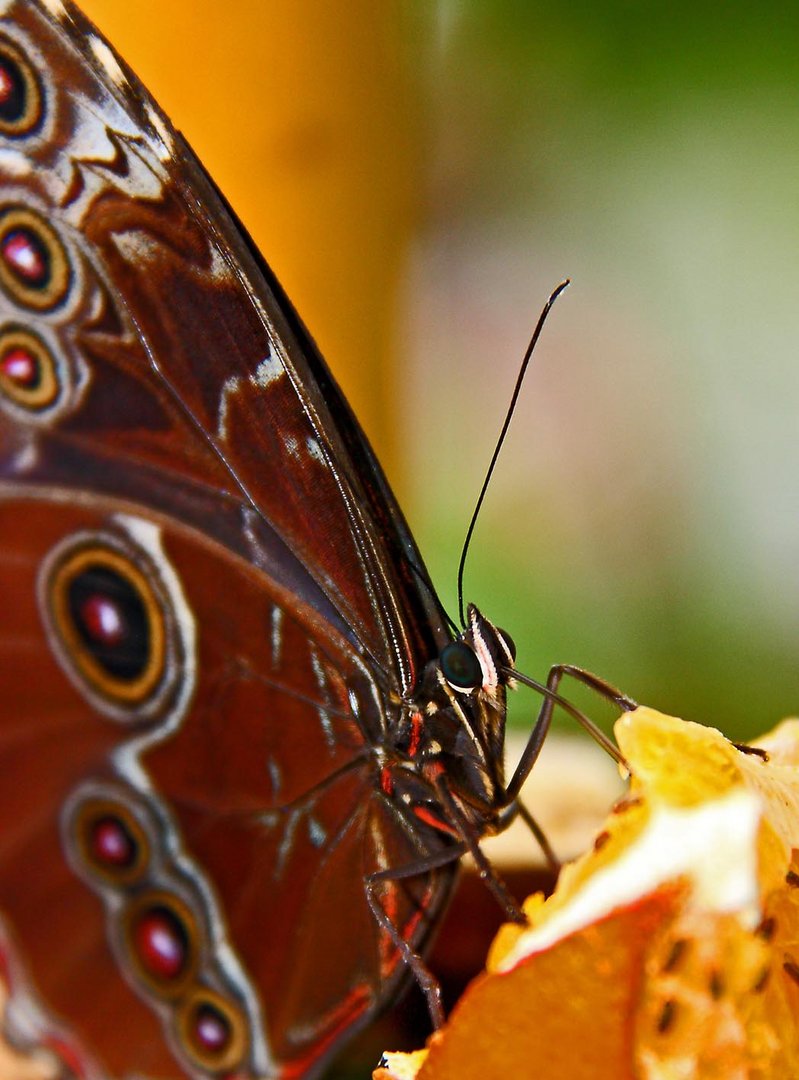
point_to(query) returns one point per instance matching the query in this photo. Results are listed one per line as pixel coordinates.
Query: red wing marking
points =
(417, 723)
(429, 818)
(386, 781)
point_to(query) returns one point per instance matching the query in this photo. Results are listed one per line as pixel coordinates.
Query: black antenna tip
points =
(556, 292)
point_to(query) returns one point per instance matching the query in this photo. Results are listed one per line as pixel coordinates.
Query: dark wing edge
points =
(419, 624)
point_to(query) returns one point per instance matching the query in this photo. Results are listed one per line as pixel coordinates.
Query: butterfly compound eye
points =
(509, 643)
(460, 666)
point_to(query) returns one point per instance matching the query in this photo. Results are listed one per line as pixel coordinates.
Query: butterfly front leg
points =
(375, 885)
(433, 814)
(544, 719)
(518, 809)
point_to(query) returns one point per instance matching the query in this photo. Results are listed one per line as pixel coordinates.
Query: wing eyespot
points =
(158, 926)
(162, 943)
(35, 270)
(111, 625)
(21, 94)
(29, 374)
(110, 842)
(211, 1031)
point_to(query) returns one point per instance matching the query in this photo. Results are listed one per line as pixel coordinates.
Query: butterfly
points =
(241, 747)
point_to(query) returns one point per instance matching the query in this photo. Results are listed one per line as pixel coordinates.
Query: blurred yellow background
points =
(307, 116)
(420, 176)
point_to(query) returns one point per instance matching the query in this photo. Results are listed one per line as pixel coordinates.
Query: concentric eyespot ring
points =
(29, 374)
(110, 841)
(110, 623)
(162, 943)
(212, 1031)
(21, 96)
(34, 265)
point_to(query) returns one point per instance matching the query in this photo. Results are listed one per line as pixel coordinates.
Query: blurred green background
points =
(644, 521)
(421, 175)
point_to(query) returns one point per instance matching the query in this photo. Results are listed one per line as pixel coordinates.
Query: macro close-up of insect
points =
(244, 739)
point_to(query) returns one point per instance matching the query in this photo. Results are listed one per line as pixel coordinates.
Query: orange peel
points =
(670, 950)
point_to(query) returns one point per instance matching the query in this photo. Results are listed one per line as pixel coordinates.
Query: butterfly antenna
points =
(542, 318)
(425, 581)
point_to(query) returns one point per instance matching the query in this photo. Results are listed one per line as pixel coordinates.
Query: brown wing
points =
(211, 607)
(180, 363)
(249, 793)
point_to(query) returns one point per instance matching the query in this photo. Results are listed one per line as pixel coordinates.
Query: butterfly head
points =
(478, 657)
(456, 719)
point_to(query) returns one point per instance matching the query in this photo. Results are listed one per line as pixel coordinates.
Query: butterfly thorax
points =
(453, 726)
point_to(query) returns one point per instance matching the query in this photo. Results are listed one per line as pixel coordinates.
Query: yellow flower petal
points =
(397, 1066)
(669, 951)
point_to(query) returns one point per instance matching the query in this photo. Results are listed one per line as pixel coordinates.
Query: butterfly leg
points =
(471, 840)
(542, 724)
(427, 981)
(541, 838)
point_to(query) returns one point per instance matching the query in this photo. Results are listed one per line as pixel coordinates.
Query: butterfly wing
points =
(213, 607)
